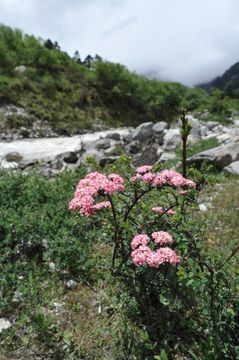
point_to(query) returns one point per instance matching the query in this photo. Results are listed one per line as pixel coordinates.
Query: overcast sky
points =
(190, 41)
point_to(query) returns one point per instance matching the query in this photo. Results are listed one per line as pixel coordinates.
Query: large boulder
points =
(70, 157)
(13, 157)
(233, 168)
(143, 132)
(172, 139)
(220, 156)
(196, 126)
(160, 129)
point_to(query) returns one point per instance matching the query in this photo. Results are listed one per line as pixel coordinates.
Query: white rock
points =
(71, 284)
(20, 69)
(223, 138)
(172, 139)
(166, 156)
(52, 266)
(233, 168)
(4, 324)
(203, 207)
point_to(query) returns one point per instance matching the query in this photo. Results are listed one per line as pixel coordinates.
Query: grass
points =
(223, 216)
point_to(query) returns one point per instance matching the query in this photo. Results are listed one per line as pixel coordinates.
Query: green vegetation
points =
(73, 95)
(42, 246)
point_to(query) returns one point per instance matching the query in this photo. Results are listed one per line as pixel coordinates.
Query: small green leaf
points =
(164, 300)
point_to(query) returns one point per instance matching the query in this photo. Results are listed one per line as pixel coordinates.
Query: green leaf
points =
(190, 282)
(164, 300)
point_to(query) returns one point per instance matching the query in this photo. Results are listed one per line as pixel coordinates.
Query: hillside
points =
(228, 82)
(72, 95)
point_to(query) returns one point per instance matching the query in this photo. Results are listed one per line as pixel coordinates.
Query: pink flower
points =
(191, 184)
(162, 255)
(161, 210)
(159, 180)
(183, 192)
(140, 255)
(148, 177)
(162, 238)
(144, 169)
(136, 177)
(154, 260)
(101, 205)
(158, 209)
(140, 239)
(171, 212)
(86, 204)
(92, 185)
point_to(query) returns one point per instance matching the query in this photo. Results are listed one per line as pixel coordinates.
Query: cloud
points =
(187, 41)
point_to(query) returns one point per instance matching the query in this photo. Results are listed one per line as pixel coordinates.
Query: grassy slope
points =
(73, 96)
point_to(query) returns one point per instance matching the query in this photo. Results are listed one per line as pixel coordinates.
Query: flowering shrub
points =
(96, 185)
(159, 258)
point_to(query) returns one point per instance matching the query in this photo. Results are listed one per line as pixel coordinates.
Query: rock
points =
(134, 146)
(212, 125)
(204, 130)
(52, 266)
(71, 284)
(223, 138)
(8, 165)
(108, 160)
(143, 132)
(24, 132)
(147, 156)
(48, 172)
(233, 168)
(4, 324)
(58, 306)
(165, 156)
(13, 157)
(172, 139)
(102, 144)
(114, 136)
(17, 296)
(203, 207)
(220, 156)
(196, 126)
(56, 164)
(70, 157)
(160, 127)
(114, 150)
(93, 153)
(26, 163)
(204, 114)
(20, 69)
(159, 152)
(236, 122)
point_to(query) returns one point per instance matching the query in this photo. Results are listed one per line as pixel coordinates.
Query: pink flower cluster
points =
(143, 255)
(165, 177)
(92, 185)
(162, 238)
(161, 210)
